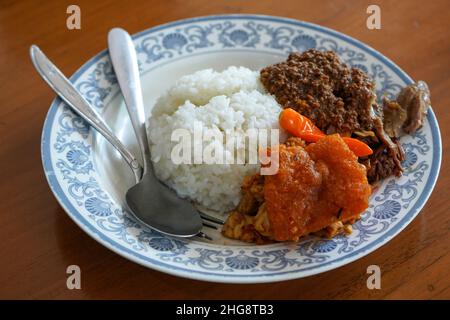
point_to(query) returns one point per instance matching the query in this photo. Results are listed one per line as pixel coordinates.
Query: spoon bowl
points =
(149, 198)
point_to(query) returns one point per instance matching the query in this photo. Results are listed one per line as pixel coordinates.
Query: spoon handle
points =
(124, 61)
(64, 88)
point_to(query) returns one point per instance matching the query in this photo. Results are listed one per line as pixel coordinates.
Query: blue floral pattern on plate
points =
(67, 157)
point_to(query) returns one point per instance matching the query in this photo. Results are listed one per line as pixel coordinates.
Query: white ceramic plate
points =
(89, 179)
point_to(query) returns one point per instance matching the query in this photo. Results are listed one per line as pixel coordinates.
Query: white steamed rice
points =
(232, 99)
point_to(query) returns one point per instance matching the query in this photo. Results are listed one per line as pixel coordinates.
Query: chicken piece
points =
(253, 229)
(336, 228)
(295, 141)
(252, 194)
(248, 222)
(314, 188)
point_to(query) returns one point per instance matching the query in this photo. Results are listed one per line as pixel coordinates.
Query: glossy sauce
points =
(314, 187)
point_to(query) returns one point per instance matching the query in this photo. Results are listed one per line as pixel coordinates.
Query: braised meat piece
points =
(383, 164)
(394, 117)
(408, 111)
(388, 154)
(415, 99)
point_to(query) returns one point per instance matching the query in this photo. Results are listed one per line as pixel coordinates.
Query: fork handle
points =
(64, 88)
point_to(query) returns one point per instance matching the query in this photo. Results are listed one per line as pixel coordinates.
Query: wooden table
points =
(38, 240)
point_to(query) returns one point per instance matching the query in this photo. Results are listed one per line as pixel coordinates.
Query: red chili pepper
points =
(302, 127)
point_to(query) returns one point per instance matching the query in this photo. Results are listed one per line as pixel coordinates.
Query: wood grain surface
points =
(38, 240)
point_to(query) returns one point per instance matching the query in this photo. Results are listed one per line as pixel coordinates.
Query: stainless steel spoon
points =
(154, 201)
(67, 92)
(153, 204)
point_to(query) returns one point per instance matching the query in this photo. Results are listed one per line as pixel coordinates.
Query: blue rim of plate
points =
(200, 275)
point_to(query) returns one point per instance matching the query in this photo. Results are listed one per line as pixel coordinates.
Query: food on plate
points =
(340, 99)
(337, 139)
(319, 86)
(317, 186)
(394, 117)
(325, 192)
(233, 99)
(409, 110)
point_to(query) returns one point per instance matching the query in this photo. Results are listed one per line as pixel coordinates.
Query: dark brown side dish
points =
(339, 99)
(317, 85)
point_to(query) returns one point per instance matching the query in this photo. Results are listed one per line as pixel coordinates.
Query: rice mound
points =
(231, 99)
